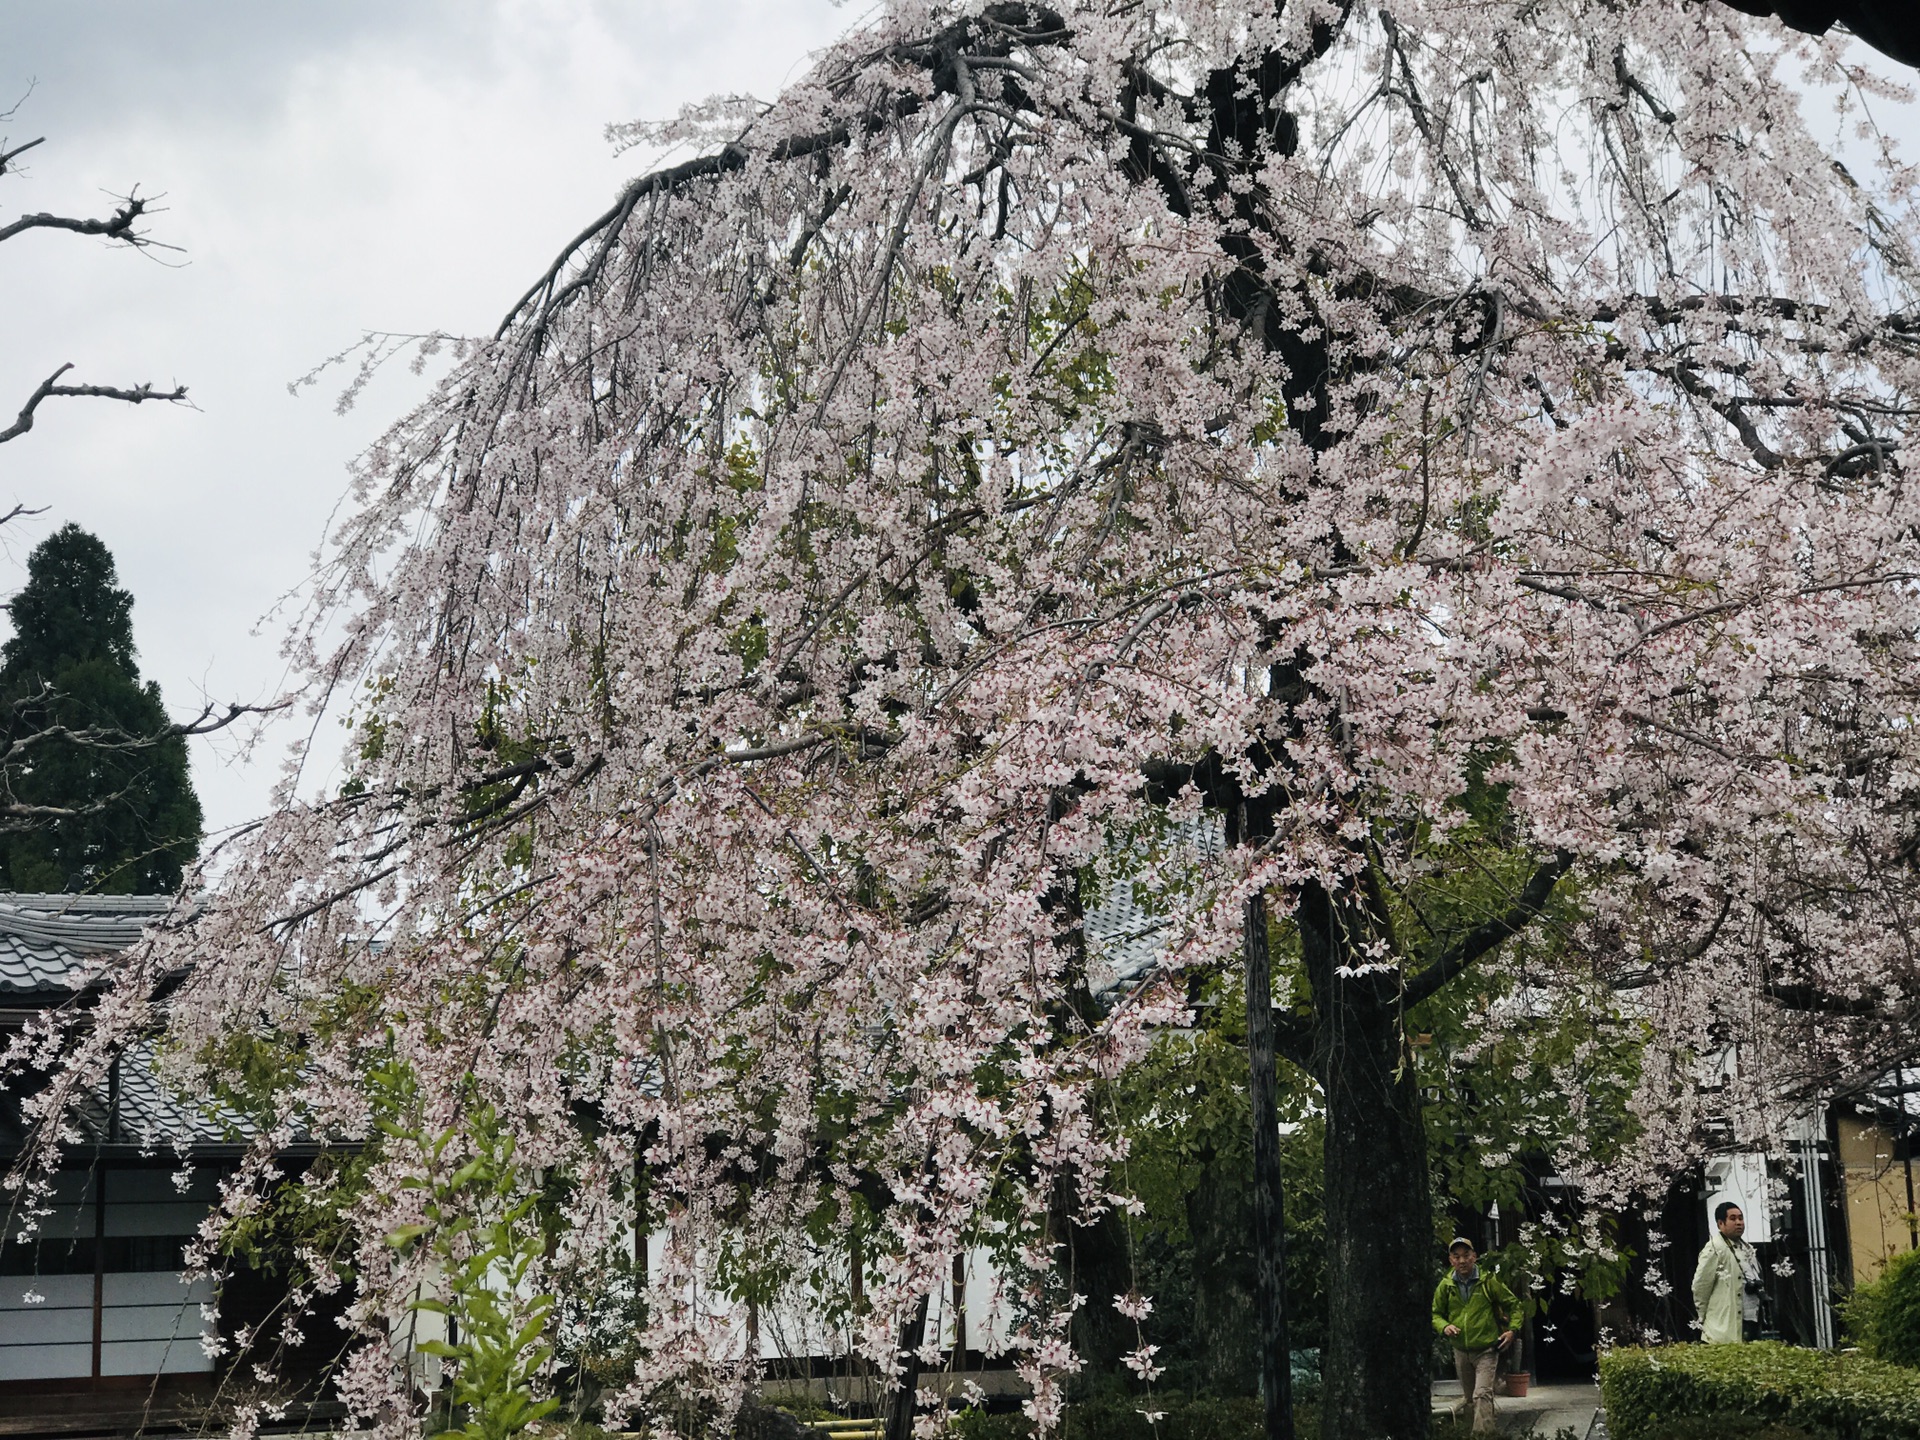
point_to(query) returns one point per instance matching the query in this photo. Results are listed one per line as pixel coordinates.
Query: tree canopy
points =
(98, 790)
(1431, 437)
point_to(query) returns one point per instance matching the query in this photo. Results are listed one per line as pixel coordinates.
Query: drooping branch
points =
(1211, 596)
(994, 32)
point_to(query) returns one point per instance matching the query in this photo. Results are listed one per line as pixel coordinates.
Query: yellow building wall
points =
(1880, 1194)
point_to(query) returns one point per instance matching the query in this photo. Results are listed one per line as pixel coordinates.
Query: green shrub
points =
(1845, 1397)
(980, 1425)
(1210, 1417)
(1885, 1316)
(1725, 1427)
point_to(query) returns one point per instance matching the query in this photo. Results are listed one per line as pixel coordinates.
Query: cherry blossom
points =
(1038, 426)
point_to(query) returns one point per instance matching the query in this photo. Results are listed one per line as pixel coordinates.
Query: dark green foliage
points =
(70, 667)
(1185, 1113)
(768, 1422)
(1197, 1417)
(1182, 1417)
(1829, 1396)
(1731, 1427)
(1490, 1109)
(1885, 1315)
(1489, 1134)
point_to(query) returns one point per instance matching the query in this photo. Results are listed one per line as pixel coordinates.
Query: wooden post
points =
(899, 1424)
(99, 1262)
(960, 1311)
(1269, 1211)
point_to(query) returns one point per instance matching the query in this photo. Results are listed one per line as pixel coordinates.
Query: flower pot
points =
(1517, 1382)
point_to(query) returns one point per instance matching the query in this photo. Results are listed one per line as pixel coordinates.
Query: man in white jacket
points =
(1726, 1282)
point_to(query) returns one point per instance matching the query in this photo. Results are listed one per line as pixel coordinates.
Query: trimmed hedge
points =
(1885, 1315)
(1696, 1427)
(1845, 1396)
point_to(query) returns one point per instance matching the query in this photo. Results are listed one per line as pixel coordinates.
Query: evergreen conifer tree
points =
(83, 735)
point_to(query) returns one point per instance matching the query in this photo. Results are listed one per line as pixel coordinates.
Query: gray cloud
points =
(100, 64)
(328, 168)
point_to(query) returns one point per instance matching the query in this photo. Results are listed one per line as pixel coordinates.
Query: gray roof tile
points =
(1126, 941)
(45, 938)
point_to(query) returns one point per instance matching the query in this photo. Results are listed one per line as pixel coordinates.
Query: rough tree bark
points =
(1269, 1204)
(1225, 1314)
(1379, 1212)
(900, 1407)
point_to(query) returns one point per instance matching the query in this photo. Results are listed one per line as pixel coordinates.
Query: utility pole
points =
(1269, 1211)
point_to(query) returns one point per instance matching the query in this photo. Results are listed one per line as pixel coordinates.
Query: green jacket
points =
(1492, 1309)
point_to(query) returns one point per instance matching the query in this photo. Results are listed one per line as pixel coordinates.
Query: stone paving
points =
(1546, 1410)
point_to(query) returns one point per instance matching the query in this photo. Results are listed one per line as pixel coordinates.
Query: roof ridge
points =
(85, 906)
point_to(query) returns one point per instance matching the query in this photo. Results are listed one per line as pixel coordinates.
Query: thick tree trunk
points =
(1379, 1215)
(1099, 1266)
(1269, 1211)
(1220, 1219)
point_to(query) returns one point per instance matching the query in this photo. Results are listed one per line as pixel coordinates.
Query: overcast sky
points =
(329, 167)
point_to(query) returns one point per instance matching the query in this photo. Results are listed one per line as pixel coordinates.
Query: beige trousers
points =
(1478, 1371)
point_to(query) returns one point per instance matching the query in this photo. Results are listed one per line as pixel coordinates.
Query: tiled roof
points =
(44, 938)
(1125, 941)
(150, 1112)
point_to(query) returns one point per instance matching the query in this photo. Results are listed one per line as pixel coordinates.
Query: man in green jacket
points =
(1478, 1314)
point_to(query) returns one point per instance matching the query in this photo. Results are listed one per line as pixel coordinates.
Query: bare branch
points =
(207, 721)
(118, 226)
(50, 387)
(7, 156)
(107, 737)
